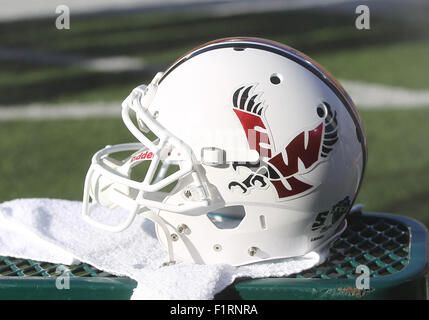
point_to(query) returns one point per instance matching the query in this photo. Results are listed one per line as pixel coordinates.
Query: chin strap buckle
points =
(213, 156)
(168, 263)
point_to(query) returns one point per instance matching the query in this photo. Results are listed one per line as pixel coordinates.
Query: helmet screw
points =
(217, 247)
(183, 228)
(174, 237)
(252, 251)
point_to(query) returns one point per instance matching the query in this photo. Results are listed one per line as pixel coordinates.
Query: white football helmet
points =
(249, 151)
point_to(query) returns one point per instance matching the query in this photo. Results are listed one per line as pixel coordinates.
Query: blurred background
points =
(61, 89)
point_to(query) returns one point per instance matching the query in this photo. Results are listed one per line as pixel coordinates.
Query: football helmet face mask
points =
(251, 150)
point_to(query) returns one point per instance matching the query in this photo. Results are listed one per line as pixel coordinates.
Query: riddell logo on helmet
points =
(142, 156)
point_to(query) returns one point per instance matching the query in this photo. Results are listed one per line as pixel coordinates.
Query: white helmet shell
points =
(270, 152)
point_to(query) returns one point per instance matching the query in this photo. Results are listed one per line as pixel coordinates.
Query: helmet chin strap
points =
(155, 218)
(136, 209)
(158, 220)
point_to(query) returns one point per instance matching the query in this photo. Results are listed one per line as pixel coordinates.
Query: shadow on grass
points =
(81, 83)
(153, 35)
(309, 30)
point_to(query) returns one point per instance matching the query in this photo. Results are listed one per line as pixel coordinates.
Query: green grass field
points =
(50, 158)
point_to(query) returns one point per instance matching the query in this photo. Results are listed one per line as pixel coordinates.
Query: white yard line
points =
(365, 95)
(113, 64)
(65, 111)
(373, 95)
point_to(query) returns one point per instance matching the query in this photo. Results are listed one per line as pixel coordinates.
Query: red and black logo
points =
(271, 167)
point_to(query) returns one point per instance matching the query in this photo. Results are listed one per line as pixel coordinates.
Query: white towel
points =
(52, 230)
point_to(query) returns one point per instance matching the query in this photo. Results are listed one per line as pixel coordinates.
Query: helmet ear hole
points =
(227, 217)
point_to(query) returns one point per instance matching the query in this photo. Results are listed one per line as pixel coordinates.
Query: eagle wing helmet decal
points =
(310, 146)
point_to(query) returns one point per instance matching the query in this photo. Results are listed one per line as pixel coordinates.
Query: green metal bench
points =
(394, 248)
